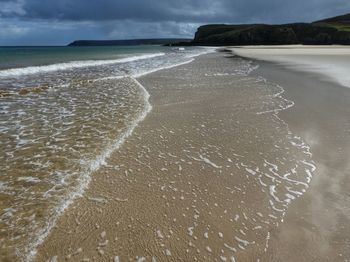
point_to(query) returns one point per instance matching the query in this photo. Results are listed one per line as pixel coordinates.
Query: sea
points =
(63, 111)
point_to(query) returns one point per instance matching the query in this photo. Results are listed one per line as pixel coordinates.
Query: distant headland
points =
(157, 41)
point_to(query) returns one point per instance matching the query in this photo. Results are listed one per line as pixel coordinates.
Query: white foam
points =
(207, 161)
(250, 171)
(267, 241)
(190, 231)
(29, 179)
(190, 58)
(86, 176)
(242, 241)
(159, 234)
(13, 72)
(162, 68)
(230, 248)
(206, 50)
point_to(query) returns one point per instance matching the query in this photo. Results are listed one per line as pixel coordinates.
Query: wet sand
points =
(316, 226)
(217, 171)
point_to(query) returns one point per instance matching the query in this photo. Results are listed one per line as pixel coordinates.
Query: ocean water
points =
(63, 111)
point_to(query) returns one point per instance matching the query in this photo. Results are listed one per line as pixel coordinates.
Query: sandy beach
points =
(330, 62)
(228, 166)
(316, 225)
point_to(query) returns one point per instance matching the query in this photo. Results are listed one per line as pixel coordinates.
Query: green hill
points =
(334, 30)
(341, 23)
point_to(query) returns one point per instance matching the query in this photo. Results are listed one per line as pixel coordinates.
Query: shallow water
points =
(221, 174)
(208, 176)
(59, 123)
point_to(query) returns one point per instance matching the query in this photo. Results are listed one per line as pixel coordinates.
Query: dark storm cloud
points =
(102, 10)
(180, 10)
(59, 21)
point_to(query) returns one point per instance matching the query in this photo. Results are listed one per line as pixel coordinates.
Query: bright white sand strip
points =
(332, 62)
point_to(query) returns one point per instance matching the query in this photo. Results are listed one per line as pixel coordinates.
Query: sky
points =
(58, 22)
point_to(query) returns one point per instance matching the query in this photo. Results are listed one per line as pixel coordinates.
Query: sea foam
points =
(13, 72)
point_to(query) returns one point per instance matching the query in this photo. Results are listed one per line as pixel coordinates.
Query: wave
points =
(190, 58)
(13, 72)
(85, 176)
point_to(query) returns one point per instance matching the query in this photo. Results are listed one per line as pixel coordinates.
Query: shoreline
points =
(95, 165)
(313, 221)
(75, 216)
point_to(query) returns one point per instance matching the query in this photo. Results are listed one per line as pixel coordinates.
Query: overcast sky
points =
(57, 22)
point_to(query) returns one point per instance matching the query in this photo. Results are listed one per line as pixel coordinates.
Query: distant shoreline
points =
(152, 41)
